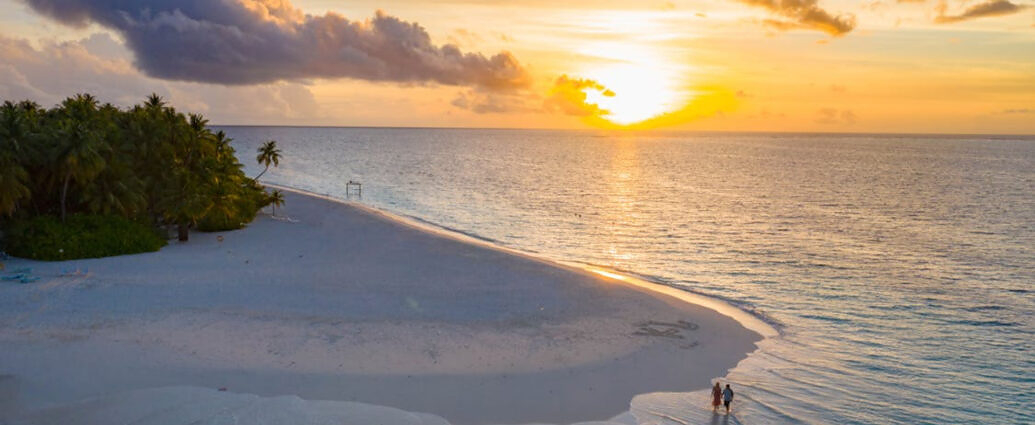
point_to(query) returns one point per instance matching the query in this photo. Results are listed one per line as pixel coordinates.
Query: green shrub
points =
(219, 224)
(243, 212)
(242, 215)
(80, 236)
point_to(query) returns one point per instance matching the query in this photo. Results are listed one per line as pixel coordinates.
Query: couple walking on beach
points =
(725, 394)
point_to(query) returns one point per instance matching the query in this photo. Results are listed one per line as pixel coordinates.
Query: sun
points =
(640, 92)
(644, 85)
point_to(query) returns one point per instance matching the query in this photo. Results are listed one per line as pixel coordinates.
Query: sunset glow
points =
(471, 212)
(823, 66)
(644, 85)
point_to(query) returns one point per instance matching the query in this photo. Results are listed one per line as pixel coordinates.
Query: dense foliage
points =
(80, 236)
(147, 164)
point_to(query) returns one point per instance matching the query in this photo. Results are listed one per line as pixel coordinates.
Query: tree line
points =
(149, 164)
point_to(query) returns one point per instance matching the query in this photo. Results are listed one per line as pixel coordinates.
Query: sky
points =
(885, 66)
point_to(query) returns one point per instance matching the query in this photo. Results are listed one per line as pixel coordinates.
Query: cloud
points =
(41, 74)
(834, 116)
(706, 102)
(804, 14)
(262, 41)
(463, 37)
(568, 96)
(981, 10)
(1019, 111)
(492, 102)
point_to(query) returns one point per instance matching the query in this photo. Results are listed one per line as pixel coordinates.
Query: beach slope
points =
(337, 302)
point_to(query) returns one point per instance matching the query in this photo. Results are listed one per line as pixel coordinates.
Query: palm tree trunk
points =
(64, 194)
(183, 230)
(260, 174)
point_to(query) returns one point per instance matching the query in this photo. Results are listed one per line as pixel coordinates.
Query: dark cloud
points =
(981, 10)
(262, 41)
(804, 14)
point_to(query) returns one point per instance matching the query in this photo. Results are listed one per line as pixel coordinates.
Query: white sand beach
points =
(330, 311)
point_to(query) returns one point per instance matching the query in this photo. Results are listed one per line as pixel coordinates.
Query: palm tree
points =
(192, 182)
(116, 190)
(80, 155)
(154, 101)
(187, 203)
(12, 187)
(277, 199)
(14, 178)
(222, 144)
(268, 153)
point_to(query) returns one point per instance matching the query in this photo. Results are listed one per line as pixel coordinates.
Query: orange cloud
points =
(835, 116)
(707, 102)
(568, 96)
(804, 14)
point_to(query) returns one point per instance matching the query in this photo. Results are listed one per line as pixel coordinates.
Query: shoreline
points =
(745, 318)
(511, 325)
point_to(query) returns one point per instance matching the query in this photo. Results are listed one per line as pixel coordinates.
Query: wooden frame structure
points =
(353, 188)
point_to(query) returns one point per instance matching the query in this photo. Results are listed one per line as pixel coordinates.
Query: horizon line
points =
(746, 132)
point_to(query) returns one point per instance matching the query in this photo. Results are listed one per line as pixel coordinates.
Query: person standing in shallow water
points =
(716, 396)
(727, 397)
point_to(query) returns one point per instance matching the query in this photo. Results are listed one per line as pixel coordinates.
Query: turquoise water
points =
(900, 270)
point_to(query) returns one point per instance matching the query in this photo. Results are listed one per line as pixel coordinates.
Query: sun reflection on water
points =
(623, 215)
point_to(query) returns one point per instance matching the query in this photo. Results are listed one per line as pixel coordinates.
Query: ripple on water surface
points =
(899, 268)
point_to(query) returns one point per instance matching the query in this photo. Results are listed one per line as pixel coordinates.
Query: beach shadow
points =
(720, 417)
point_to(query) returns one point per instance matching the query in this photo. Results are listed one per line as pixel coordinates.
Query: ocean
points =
(899, 269)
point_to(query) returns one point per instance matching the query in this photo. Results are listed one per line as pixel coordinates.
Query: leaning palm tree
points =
(268, 154)
(276, 199)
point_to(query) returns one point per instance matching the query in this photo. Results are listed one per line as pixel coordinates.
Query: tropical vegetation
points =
(83, 166)
(46, 237)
